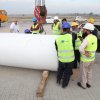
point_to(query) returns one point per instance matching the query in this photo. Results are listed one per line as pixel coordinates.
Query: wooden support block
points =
(42, 85)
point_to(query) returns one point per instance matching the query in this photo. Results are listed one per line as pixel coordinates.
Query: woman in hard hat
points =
(35, 28)
(87, 49)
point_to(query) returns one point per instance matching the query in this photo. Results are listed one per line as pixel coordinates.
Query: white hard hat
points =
(56, 18)
(89, 26)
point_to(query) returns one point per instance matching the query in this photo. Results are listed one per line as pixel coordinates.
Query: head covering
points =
(56, 18)
(34, 19)
(89, 26)
(74, 24)
(26, 31)
(91, 20)
(66, 25)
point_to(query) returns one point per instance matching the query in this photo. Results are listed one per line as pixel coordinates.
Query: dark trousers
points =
(64, 73)
(98, 49)
(77, 58)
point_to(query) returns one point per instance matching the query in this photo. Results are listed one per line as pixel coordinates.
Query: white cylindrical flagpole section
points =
(28, 51)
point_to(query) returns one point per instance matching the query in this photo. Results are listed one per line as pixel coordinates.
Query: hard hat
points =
(76, 19)
(89, 26)
(27, 31)
(74, 24)
(91, 20)
(85, 19)
(34, 19)
(66, 25)
(56, 18)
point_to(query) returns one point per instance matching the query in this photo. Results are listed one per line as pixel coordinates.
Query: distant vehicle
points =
(49, 19)
(3, 16)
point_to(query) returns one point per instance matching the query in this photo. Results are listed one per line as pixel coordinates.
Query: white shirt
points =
(14, 28)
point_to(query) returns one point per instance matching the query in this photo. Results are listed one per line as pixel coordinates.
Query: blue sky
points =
(53, 6)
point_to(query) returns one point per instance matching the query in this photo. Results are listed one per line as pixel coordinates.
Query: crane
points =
(40, 11)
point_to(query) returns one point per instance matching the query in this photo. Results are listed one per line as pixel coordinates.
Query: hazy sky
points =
(53, 6)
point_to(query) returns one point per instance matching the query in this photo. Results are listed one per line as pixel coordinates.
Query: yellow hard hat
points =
(74, 24)
(91, 20)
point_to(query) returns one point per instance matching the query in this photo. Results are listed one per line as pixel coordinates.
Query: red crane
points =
(40, 11)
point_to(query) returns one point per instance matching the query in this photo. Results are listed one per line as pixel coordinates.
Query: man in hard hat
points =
(65, 52)
(95, 31)
(75, 28)
(35, 28)
(14, 27)
(56, 29)
(78, 42)
(87, 49)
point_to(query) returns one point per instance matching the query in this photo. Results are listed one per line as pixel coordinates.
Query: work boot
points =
(64, 85)
(58, 81)
(79, 84)
(88, 85)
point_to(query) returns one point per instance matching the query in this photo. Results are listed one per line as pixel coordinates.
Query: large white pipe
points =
(28, 51)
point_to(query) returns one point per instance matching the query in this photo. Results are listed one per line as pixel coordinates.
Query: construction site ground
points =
(22, 84)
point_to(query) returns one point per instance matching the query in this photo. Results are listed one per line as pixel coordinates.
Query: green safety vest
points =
(78, 41)
(65, 48)
(91, 47)
(35, 31)
(55, 29)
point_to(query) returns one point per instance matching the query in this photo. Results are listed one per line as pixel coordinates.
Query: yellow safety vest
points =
(78, 41)
(92, 47)
(35, 31)
(65, 48)
(55, 29)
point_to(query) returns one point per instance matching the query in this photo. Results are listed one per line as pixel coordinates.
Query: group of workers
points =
(36, 27)
(76, 46)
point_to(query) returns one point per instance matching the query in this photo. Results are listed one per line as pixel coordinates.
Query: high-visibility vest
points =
(55, 29)
(80, 33)
(35, 31)
(78, 41)
(91, 47)
(65, 48)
